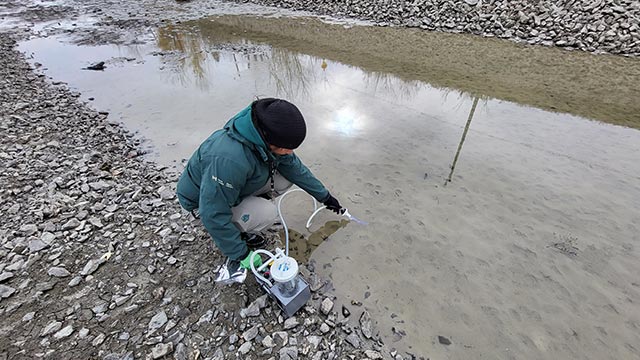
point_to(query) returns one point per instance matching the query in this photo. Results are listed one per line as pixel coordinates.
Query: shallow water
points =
(483, 260)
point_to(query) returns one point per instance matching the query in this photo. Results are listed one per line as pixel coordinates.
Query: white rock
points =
(98, 340)
(28, 316)
(66, 331)
(371, 354)
(75, 281)
(91, 266)
(52, 327)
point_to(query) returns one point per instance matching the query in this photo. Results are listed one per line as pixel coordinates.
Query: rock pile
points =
(611, 26)
(98, 262)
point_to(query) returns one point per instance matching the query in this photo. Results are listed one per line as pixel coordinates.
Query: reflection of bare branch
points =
(392, 84)
(291, 76)
(193, 57)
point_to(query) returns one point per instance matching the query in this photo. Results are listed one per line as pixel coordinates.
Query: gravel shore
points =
(99, 262)
(602, 26)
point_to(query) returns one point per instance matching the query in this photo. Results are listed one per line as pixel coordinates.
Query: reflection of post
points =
(235, 61)
(464, 135)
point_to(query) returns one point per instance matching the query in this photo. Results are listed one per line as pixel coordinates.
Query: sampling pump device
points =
(279, 275)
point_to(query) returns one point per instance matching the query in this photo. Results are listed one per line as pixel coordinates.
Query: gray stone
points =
(326, 306)
(218, 355)
(28, 229)
(83, 333)
(281, 338)
(47, 237)
(268, 342)
(91, 266)
(314, 340)
(251, 333)
(181, 352)
(16, 264)
(28, 316)
(254, 308)
(6, 275)
(100, 308)
(75, 281)
(289, 353)
(58, 272)
(99, 185)
(37, 245)
(161, 350)
(6, 291)
(290, 323)
(71, 224)
(233, 338)
(365, 324)
(158, 320)
(51, 328)
(324, 328)
(65, 332)
(95, 222)
(119, 300)
(372, 354)
(244, 348)
(166, 193)
(354, 340)
(98, 340)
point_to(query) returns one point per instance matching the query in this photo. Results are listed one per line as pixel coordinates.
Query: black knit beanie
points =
(281, 122)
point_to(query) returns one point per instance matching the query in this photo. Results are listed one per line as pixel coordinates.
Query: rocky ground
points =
(99, 262)
(599, 26)
(609, 26)
(97, 259)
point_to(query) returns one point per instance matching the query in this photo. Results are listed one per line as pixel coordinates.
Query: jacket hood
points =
(241, 128)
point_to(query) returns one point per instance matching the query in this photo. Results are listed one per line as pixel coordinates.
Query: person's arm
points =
(295, 171)
(222, 180)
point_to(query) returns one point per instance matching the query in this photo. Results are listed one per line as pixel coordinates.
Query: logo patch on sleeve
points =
(245, 218)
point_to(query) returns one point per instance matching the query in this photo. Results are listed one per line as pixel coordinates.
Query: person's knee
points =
(254, 214)
(281, 185)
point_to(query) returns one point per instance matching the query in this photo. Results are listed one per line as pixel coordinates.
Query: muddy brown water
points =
(530, 251)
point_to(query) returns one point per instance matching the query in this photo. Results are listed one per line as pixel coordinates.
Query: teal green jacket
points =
(230, 165)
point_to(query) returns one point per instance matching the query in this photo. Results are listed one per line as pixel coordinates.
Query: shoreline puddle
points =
(470, 261)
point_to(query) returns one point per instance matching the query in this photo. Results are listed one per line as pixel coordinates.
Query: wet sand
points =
(531, 251)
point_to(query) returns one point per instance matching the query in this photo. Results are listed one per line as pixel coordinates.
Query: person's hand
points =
(332, 204)
(246, 262)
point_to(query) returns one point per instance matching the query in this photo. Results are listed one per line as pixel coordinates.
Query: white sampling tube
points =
(284, 224)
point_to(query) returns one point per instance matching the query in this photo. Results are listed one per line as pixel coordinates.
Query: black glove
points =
(332, 204)
(254, 241)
